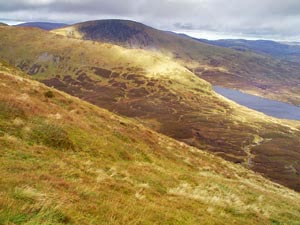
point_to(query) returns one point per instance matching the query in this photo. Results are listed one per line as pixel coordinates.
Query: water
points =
(269, 107)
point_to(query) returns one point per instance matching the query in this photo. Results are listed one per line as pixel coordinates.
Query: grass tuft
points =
(49, 94)
(51, 135)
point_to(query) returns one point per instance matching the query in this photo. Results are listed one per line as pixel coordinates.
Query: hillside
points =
(161, 94)
(43, 25)
(64, 161)
(256, 74)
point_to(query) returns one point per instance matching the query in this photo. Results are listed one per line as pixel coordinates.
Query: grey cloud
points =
(248, 17)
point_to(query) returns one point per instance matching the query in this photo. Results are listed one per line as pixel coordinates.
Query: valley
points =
(139, 112)
(159, 92)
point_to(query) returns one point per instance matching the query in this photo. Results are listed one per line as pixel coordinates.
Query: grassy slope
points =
(161, 94)
(64, 161)
(247, 71)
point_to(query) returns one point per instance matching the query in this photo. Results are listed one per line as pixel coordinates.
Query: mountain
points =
(247, 71)
(278, 50)
(3, 24)
(295, 43)
(64, 161)
(43, 25)
(160, 93)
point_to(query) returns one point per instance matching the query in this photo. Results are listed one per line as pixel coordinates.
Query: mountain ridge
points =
(275, 49)
(42, 25)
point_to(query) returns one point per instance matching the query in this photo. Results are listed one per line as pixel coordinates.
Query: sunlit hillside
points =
(254, 73)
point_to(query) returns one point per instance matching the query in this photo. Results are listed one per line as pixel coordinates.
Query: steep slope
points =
(43, 25)
(161, 94)
(247, 71)
(64, 161)
(275, 49)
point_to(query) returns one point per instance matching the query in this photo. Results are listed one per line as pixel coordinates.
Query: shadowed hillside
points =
(161, 94)
(64, 161)
(247, 71)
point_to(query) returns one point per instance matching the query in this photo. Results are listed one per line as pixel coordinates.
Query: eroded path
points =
(257, 140)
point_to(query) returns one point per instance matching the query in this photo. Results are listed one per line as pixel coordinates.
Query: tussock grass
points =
(10, 110)
(50, 135)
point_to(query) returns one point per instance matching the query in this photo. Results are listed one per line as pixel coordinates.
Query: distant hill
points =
(3, 24)
(43, 25)
(248, 71)
(275, 49)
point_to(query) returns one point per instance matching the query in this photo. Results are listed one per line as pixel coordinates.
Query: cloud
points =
(261, 18)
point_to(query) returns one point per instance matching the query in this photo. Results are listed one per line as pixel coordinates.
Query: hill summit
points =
(122, 32)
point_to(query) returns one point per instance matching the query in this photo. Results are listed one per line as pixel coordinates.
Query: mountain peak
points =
(121, 32)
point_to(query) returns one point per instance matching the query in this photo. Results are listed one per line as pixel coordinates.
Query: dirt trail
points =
(247, 149)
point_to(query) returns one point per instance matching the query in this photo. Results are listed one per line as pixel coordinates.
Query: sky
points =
(211, 19)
